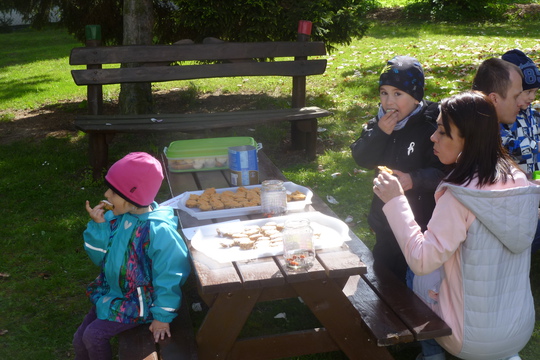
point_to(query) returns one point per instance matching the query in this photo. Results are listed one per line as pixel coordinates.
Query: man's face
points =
(508, 108)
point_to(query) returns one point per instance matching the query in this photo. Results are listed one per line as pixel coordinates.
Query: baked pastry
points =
(385, 169)
(106, 205)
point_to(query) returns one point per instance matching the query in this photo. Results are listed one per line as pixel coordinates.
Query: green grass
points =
(44, 183)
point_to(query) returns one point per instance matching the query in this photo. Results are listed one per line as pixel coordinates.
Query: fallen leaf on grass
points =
(359, 171)
(3, 332)
(44, 276)
(4, 276)
(331, 199)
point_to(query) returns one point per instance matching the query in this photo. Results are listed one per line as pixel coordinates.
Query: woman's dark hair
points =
(483, 155)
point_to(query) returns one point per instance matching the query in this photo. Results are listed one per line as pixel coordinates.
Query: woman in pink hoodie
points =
(476, 249)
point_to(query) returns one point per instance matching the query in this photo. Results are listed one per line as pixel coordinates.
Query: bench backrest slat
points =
(193, 52)
(188, 72)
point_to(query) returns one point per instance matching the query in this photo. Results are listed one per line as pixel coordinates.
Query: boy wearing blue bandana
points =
(399, 138)
(522, 138)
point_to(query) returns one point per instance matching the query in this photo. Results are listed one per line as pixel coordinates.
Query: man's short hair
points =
(493, 76)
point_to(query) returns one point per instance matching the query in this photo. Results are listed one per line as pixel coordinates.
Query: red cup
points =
(304, 27)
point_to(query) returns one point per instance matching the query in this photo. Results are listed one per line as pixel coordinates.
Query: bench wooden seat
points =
(159, 63)
(192, 122)
(391, 311)
(138, 343)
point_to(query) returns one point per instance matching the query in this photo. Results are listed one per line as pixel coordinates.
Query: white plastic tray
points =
(333, 232)
(179, 202)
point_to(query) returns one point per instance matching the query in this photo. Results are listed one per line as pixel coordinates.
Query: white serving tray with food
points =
(179, 202)
(328, 232)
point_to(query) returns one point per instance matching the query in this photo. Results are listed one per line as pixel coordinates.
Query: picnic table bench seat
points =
(391, 311)
(107, 65)
(138, 343)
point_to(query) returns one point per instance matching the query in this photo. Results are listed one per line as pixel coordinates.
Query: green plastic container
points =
(202, 154)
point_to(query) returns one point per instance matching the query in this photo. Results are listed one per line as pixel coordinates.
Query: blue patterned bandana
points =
(406, 74)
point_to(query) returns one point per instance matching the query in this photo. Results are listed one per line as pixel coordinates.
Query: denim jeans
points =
(92, 339)
(536, 240)
(430, 348)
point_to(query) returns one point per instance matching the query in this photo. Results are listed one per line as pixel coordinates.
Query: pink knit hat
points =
(136, 177)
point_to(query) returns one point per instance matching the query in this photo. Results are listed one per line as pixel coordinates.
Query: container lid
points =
(205, 147)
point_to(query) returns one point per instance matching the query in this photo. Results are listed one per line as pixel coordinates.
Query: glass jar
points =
(298, 247)
(273, 198)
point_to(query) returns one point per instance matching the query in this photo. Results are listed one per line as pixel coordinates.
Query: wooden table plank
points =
(267, 170)
(181, 182)
(315, 272)
(260, 273)
(340, 262)
(214, 277)
(213, 179)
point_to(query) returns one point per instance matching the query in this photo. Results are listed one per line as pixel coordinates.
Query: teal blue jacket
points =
(144, 262)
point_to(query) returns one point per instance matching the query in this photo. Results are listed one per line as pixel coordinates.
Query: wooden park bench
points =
(159, 63)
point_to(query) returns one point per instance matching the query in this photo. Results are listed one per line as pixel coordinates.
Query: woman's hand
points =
(388, 122)
(96, 213)
(387, 187)
(404, 179)
(159, 330)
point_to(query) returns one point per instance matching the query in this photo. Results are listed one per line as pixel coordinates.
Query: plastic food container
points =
(331, 232)
(179, 202)
(202, 154)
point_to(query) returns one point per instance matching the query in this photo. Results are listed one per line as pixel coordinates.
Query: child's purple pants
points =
(92, 339)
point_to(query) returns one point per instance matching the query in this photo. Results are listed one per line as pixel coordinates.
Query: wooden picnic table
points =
(232, 289)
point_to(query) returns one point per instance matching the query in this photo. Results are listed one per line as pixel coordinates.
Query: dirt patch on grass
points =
(49, 120)
(57, 120)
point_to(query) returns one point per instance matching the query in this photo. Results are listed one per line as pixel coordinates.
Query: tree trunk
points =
(136, 98)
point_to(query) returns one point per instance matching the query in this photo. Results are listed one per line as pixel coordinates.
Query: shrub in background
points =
(335, 21)
(457, 10)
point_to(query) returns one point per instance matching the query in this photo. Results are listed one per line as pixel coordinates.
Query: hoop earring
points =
(458, 157)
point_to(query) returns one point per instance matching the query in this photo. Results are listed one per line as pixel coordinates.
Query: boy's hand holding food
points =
(388, 122)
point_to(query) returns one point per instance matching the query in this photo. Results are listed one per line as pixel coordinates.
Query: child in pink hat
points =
(143, 259)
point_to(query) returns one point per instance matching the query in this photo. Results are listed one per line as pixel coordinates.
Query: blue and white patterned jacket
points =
(521, 139)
